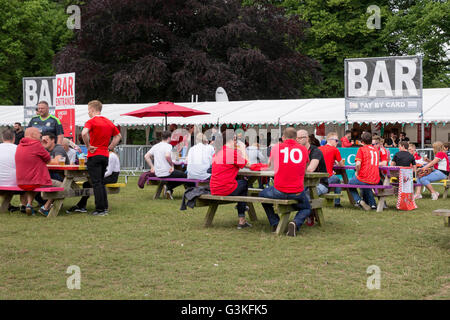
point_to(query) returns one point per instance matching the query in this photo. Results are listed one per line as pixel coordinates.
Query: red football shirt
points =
(417, 157)
(101, 130)
(369, 157)
(330, 154)
(443, 161)
(384, 155)
(289, 159)
(225, 166)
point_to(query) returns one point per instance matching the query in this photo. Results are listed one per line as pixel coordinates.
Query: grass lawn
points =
(147, 249)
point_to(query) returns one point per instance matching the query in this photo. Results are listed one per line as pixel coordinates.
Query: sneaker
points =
(417, 196)
(169, 194)
(338, 205)
(309, 221)
(435, 196)
(76, 209)
(99, 213)
(363, 205)
(292, 229)
(373, 207)
(43, 211)
(274, 228)
(23, 209)
(244, 225)
(29, 210)
(13, 208)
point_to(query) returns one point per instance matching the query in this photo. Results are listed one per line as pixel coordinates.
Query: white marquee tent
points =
(436, 106)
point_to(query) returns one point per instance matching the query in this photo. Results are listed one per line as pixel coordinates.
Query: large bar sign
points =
(383, 84)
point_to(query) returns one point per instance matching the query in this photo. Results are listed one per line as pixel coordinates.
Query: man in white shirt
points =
(199, 159)
(71, 153)
(159, 159)
(8, 164)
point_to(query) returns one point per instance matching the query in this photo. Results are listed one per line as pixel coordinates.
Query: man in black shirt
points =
(316, 160)
(18, 132)
(403, 158)
(403, 137)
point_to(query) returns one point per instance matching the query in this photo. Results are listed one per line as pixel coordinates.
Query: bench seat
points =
(443, 213)
(7, 192)
(162, 181)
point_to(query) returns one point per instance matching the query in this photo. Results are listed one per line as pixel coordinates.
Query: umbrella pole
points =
(165, 122)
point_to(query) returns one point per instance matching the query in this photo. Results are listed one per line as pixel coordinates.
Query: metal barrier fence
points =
(132, 161)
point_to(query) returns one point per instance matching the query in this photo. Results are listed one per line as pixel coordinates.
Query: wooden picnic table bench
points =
(7, 193)
(443, 213)
(161, 182)
(71, 189)
(282, 207)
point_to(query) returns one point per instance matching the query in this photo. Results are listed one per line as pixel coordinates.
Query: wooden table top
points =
(71, 167)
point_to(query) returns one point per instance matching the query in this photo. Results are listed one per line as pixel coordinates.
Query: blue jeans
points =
(321, 189)
(303, 205)
(241, 190)
(334, 179)
(366, 193)
(435, 175)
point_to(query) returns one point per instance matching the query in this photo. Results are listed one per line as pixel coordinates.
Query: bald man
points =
(31, 169)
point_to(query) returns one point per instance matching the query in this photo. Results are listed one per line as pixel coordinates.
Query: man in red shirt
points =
(31, 166)
(385, 155)
(366, 172)
(332, 156)
(345, 140)
(225, 167)
(97, 133)
(289, 160)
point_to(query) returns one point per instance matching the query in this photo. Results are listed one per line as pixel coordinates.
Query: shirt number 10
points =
(291, 155)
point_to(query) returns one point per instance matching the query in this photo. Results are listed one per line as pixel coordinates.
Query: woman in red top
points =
(225, 167)
(31, 165)
(441, 170)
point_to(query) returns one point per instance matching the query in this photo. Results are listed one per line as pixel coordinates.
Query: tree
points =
(151, 50)
(32, 31)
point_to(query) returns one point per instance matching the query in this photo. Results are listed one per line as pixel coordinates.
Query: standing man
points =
(46, 122)
(97, 133)
(366, 172)
(332, 156)
(289, 160)
(18, 132)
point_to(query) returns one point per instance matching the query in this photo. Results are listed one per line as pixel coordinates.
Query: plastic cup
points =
(62, 161)
(82, 161)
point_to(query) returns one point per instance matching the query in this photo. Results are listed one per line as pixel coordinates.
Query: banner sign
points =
(383, 84)
(65, 90)
(37, 89)
(405, 200)
(349, 155)
(67, 118)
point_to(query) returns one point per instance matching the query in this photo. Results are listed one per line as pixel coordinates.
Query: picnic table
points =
(281, 206)
(382, 190)
(72, 174)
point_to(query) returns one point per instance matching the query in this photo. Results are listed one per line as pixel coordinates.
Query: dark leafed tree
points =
(151, 50)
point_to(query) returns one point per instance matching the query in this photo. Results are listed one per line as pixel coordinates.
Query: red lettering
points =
(70, 86)
(64, 89)
(58, 87)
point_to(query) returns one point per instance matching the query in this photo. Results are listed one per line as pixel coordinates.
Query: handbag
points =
(424, 172)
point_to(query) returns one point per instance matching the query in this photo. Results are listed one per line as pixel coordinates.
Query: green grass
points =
(147, 249)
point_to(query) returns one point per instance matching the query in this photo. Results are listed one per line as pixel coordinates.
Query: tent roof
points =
(436, 105)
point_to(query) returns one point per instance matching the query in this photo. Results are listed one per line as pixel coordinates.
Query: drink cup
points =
(343, 161)
(82, 160)
(62, 161)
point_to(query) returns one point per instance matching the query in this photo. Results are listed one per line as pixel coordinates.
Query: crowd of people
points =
(25, 156)
(291, 158)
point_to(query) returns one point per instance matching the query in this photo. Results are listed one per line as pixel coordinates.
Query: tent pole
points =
(165, 116)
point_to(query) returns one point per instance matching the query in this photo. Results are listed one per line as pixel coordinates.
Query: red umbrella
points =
(165, 109)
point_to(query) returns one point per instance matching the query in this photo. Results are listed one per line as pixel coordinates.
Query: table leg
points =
(316, 213)
(283, 223)
(252, 212)
(159, 190)
(57, 204)
(343, 173)
(7, 196)
(210, 214)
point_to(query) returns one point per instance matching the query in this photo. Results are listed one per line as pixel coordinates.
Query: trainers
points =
(23, 209)
(292, 229)
(274, 228)
(373, 207)
(244, 225)
(418, 196)
(363, 205)
(76, 209)
(435, 196)
(99, 213)
(43, 211)
(309, 221)
(338, 205)
(169, 194)
(13, 208)
(29, 210)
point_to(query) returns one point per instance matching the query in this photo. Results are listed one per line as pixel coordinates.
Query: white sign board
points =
(65, 90)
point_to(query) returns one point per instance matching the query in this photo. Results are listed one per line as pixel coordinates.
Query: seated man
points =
(403, 158)
(316, 161)
(345, 140)
(332, 156)
(159, 159)
(366, 172)
(289, 160)
(385, 155)
(417, 157)
(57, 153)
(31, 166)
(225, 167)
(111, 176)
(8, 166)
(71, 153)
(199, 159)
